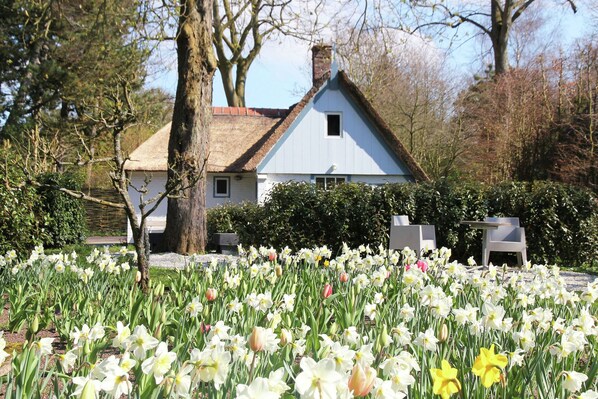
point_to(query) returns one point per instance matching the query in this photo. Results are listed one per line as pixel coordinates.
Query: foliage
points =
(21, 224)
(65, 215)
(560, 220)
(266, 319)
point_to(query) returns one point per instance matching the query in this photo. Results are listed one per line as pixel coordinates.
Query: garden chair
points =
(414, 236)
(507, 238)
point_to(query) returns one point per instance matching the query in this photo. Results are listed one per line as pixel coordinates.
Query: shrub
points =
(560, 221)
(64, 215)
(21, 224)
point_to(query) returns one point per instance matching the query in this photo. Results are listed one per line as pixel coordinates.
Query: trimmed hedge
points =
(561, 221)
(65, 215)
(30, 216)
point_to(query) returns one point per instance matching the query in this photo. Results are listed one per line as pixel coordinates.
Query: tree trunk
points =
(499, 34)
(188, 146)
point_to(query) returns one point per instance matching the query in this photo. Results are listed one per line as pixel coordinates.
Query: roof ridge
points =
(247, 111)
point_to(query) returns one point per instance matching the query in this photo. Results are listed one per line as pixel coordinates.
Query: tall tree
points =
(493, 19)
(189, 142)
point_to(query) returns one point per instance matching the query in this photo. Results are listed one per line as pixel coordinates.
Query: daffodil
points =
(488, 366)
(445, 380)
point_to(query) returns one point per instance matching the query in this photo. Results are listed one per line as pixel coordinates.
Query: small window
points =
(222, 187)
(333, 125)
(329, 182)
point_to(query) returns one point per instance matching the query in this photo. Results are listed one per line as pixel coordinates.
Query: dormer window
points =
(333, 125)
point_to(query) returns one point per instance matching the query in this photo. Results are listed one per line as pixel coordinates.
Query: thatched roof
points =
(235, 133)
(242, 137)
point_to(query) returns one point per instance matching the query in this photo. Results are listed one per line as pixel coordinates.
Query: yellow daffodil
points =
(445, 380)
(488, 366)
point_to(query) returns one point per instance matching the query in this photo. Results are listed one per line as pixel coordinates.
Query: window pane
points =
(222, 186)
(320, 182)
(334, 125)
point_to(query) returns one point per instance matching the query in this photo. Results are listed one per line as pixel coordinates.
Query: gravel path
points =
(575, 281)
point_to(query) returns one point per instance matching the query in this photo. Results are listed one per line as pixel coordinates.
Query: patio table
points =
(484, 226)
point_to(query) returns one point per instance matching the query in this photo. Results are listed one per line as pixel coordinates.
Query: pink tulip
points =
(423, 266)
(272, 256)
(344, 277)
(211, 294)
(362, 380)
(327, 291)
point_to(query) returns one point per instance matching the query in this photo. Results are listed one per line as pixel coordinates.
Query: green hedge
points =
(65, 215)
(561, 221)
(21, 225)
(30, 216)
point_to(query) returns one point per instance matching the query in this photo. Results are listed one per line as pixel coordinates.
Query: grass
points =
(161, 274)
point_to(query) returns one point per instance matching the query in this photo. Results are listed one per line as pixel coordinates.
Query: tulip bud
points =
(278, 270)
(285, 337)
(327, 291)
(443, 333)
(344, 277)
(272, 256)
(205, 328)
(211, 294)
(256, 339)
(333, 329)
(138, 276)
(362, 380)
(35, 324)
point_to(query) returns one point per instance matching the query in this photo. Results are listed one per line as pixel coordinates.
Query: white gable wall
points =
(306, 149)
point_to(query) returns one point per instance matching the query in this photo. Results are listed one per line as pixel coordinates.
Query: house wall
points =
(240, 190)
(306, 149)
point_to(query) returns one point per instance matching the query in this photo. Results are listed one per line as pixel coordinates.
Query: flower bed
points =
(274, 324)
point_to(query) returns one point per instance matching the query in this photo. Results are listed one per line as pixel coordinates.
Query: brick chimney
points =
(321, 56)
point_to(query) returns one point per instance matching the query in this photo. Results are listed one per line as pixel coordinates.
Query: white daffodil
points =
(427, 340)
(159, 364)
(140, 342)
(80, 336)
(86, 383)
(591, 394)
(116, 382)
(342, 356)
(194, 307)
(258, 389)
(384, 390)
(276, 381)
(211, 365)
(3, 354)
(220, 330)
(181, 384)
(572, 380)
(351, 336)
(67, 360)
(317, 380)
(122, 334)
(44, 346)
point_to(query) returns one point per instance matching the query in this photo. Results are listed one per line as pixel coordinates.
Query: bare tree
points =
(241, 28)
(494, 19)
(116, 115)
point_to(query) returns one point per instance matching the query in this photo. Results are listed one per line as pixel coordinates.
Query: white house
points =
(332, 135)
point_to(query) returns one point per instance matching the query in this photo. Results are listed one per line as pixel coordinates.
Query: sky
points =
(281, 74)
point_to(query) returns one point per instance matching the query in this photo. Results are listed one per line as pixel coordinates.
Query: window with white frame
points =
(329, 182)
(221, 187)
(334, 125)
